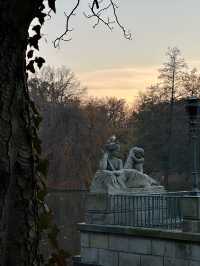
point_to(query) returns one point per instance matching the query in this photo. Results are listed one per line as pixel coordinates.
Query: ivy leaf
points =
(39, 61)
(34, 109)
(64, 253)
(37, 119)
(53, 260)
(44, 221)
(41, 17)
(42, 7)
(37, 29)
(43, 166)
(30, 67)
(37, 145)
(52, 236)
(52, 5)
(41, 194)
(33, 41)
(30, 54)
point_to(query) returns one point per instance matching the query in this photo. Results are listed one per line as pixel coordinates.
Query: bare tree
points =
(171, 76)
(55, 85)
(191, 83)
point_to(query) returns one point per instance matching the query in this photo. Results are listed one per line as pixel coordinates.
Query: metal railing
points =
(152, 211)
(149, 210)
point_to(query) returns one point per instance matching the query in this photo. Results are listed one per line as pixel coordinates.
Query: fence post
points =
(98, 209)
(190, 206)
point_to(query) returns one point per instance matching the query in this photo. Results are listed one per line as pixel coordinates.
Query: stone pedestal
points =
(190, 206)
(98, 209)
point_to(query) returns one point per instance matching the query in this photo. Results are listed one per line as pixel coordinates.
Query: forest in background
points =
(75, 127)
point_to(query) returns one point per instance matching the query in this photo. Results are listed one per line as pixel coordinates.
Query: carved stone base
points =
(131, 191)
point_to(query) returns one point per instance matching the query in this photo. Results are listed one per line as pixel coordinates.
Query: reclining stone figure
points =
(135, 159)
(135, 178)
(113, 178)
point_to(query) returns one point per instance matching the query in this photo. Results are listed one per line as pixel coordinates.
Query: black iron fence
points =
(163, 211)
(149, 210)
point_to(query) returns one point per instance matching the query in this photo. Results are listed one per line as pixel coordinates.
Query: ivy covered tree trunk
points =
(16, 156)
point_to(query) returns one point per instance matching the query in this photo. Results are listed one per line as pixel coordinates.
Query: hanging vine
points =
(42, 216)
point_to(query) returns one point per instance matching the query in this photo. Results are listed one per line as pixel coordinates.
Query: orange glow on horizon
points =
(124, 83)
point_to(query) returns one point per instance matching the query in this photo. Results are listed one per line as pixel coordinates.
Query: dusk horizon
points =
(125, 68)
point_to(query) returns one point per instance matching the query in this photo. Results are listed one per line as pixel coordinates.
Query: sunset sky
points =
(109, 65)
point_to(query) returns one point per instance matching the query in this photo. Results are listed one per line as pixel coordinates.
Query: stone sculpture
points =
(113, 178)
(135, 159)
(135, 178)
(110, 160)
(110, 175)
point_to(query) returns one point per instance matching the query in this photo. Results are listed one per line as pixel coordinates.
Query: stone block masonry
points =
(103, 245)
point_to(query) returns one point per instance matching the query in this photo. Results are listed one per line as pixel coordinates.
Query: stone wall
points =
(125, 246)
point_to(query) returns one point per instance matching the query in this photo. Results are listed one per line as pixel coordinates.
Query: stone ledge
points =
(77, 262)
(142, 232)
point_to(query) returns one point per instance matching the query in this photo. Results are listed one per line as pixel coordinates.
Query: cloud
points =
(193, 64)
(119, 82)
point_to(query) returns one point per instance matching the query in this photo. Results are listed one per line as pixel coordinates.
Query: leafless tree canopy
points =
(58, 85)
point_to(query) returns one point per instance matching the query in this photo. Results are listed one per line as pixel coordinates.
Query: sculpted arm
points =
(121, 165)
(104, 162)
(133, 160)
(138, 160)
(128, 163)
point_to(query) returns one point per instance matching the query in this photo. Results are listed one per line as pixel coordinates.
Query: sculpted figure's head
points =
(112, 146)
(137, 152)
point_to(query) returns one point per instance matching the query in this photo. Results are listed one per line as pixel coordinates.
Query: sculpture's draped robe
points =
(116, 179)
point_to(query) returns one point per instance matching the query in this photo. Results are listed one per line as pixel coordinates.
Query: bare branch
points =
(49, 14)
(127, 33)
(98, 9)
(67, 28)
(98, 14)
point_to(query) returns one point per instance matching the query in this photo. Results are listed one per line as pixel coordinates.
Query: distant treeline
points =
(75, 127)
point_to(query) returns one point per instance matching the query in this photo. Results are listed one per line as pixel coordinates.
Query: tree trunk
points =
(170, 129)
(16, 158)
